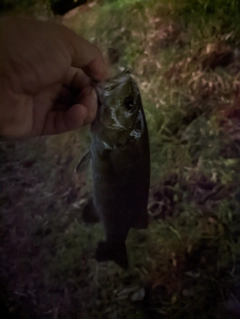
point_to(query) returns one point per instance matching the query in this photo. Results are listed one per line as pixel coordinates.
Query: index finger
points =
(86, 56)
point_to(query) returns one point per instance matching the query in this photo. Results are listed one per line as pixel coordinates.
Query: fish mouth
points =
(108, 85)
(111, 83)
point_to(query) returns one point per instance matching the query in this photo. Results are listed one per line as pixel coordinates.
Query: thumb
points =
(85, 55)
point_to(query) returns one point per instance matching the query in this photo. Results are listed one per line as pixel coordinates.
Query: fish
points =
(120, 162)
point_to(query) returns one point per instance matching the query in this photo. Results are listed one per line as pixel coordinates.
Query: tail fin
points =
(117, 253)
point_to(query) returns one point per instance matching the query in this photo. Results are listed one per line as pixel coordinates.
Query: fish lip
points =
(111, 83)
(101, 87)
(108, 85)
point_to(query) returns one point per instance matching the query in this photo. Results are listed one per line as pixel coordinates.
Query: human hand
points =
(45, 78)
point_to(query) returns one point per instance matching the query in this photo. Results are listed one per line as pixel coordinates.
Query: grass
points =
(184, 56)
(176, 52)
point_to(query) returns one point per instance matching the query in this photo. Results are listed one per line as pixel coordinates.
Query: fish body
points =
(120, 165)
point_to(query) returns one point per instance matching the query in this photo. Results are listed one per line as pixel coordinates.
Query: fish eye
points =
(129, 103)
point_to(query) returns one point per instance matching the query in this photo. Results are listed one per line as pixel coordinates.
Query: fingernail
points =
(102, 73)
(106, 70)
(93, 93)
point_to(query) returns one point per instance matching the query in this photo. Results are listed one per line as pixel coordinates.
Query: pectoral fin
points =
(83, 162)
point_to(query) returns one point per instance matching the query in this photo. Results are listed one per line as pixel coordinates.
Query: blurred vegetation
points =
(57, 6)
(185, 57)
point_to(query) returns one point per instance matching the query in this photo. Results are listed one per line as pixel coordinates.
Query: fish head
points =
(118, 111)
